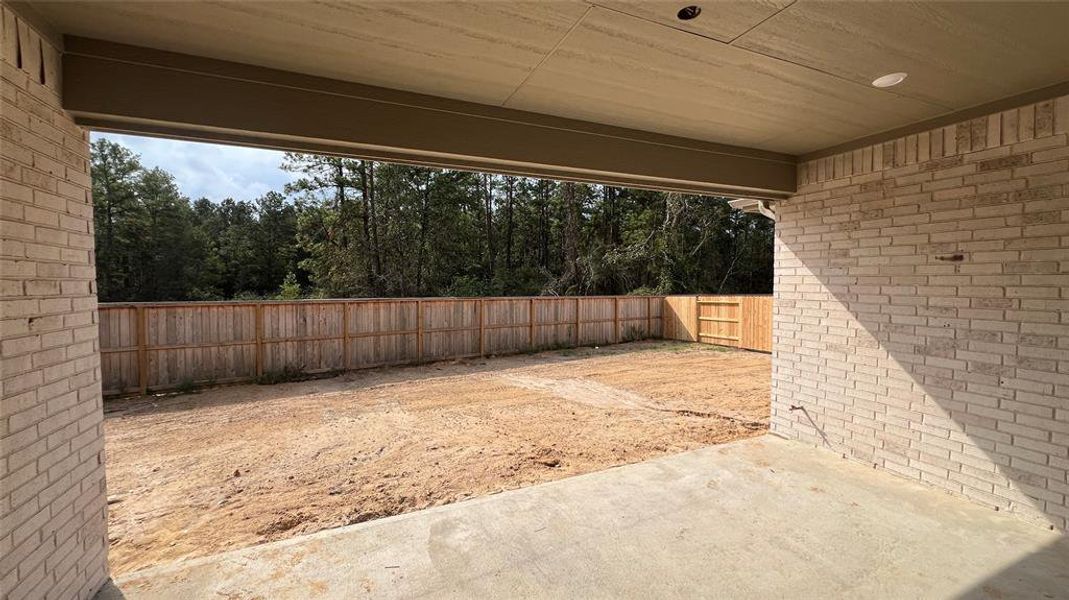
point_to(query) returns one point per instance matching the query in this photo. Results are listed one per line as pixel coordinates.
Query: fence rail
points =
(160, 346)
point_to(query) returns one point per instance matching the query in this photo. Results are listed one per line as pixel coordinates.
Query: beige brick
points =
(966, 383)
(54, 551)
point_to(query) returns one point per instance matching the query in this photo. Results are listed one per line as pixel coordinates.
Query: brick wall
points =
(922, 308)
(52, 533)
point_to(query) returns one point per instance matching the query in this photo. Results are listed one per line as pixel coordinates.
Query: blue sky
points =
(212, 171)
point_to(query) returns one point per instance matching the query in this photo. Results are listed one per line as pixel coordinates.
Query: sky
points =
(212, 171)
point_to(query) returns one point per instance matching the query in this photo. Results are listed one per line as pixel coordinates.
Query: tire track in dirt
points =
(600, 395)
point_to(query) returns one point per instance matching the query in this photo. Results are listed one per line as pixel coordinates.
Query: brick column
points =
(53, 540)
(922, 308)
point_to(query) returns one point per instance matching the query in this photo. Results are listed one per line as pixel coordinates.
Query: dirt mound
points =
(284, 523)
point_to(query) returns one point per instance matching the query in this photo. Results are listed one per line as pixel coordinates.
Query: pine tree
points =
(352, 228)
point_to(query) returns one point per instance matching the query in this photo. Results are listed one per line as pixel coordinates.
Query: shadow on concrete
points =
(110, 591)
(1049, 567)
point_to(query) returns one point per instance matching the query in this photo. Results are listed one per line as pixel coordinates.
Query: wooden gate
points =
(737, 321)
(719, 321)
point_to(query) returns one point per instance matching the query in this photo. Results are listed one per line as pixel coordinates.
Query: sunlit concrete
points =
(764, 518)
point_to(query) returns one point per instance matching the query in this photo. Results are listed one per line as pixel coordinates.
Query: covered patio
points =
(758, 518)
(914, 156)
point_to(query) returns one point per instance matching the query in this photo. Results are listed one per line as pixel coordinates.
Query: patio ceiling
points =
(618, 91)
(770, 74)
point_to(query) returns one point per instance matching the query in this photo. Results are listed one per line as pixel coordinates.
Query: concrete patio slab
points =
(757, 518)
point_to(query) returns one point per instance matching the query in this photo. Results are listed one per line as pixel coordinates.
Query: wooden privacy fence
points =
(167, 345)
(737, 321)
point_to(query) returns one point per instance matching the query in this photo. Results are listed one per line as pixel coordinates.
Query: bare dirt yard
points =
(198, 474)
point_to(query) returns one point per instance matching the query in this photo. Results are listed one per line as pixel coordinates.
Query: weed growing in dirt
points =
(677, 347)
(286, 374)
(658, 346)
(548, 348)
(186, 386)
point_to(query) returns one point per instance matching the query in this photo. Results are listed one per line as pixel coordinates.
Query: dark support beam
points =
(130, 89)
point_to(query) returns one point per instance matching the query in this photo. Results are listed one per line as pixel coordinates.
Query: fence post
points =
(142, 351)
(530, 323)
(345, 335)
(482, 327)
(649, 317)
(616, 319)
(259, 312)
(664, 315)
(576, 321)
(419, 331)
(697, 318)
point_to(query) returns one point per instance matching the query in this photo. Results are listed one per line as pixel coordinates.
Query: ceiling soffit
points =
(780, 75)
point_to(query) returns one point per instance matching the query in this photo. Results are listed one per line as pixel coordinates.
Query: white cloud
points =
(212, 171)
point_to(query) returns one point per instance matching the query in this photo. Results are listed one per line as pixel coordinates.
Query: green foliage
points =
(290, 290)
(354, 228)
(186, 386)
(288, 374)
(469, 285)
(154, 244)
(632, 333)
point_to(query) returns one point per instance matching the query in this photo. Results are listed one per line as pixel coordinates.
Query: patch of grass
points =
(654, 345)
(633, 333)
(630, 336)
(676, 346)
(186, 386)
(284, 375)
(559, 348)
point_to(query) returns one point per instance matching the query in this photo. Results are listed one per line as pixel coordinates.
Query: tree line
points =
(357, 228)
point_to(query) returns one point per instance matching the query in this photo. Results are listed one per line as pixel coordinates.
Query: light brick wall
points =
(53, 529)
(922, 308)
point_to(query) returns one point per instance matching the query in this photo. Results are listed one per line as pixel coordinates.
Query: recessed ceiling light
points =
(688, 12)
(891, 79)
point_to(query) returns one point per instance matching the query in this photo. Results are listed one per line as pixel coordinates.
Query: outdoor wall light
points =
(891, 79)
(689, 12)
